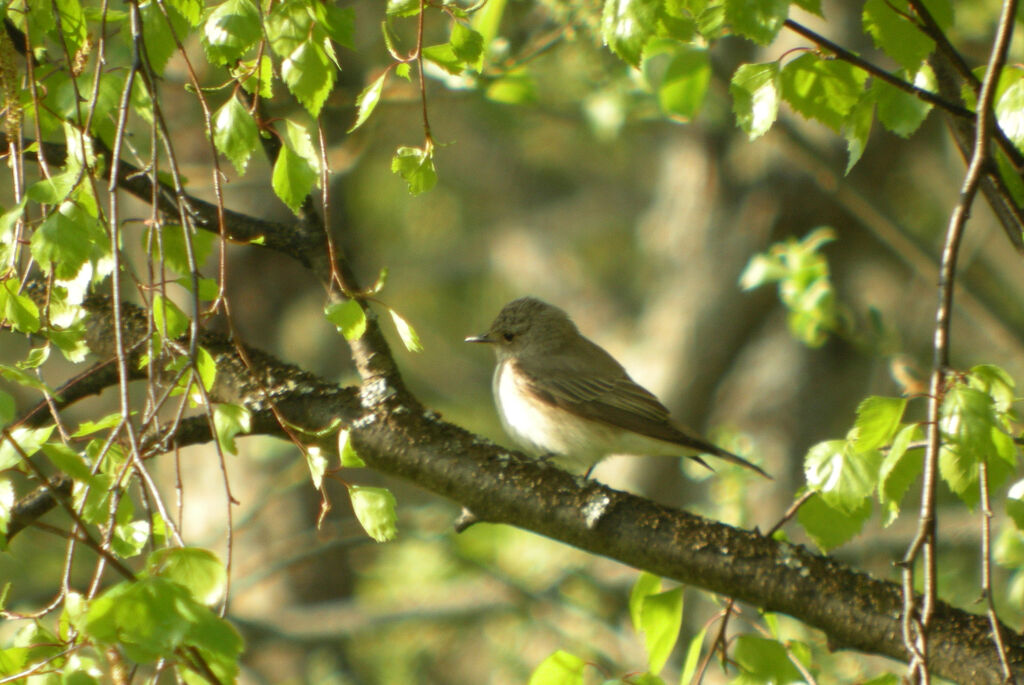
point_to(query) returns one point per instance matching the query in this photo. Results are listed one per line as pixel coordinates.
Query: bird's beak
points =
(482, 338)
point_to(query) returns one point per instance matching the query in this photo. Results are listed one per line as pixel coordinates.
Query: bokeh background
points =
(639, 228)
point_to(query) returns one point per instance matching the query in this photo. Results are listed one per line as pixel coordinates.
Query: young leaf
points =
(67, 460)
(29, 440)
(661, 619)
(7, 408)
(842, 475)
(230, 30)
(348, 317)
(169, 321)
(878, 419)
(765, 659)
(900, 112)
(758, 20)
(900, 467)
(679, 74)
(349, 457)
(467, 44)
(198, 570)
(646, 584)
(626, 26)
(692, 659)
(235, 133)
(367, 100)
(755, 97)
(857, 129)
(293, 178)
(407, 333)
(822, 89)
(309, 74)
(561, 668)
(830, 527)
(228, 421)
(896, 35)
(20, 310)
(375, 510)
(416, 166)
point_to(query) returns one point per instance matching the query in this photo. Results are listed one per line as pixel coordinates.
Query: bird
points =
(565, 399)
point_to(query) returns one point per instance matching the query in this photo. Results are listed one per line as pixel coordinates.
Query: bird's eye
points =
(508, 336)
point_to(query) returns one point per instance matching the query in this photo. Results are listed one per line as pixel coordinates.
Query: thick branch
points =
(397, 436)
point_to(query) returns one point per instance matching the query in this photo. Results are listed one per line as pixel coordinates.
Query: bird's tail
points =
(736, 459)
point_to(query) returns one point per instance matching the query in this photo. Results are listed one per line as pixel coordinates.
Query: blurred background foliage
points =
(586, 196)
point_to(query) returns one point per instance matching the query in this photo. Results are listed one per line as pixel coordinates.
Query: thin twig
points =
(915, 629)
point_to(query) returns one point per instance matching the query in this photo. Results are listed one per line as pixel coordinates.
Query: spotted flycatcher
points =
(562, 396)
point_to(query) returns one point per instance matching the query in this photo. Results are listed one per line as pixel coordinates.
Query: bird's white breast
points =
(543, 429)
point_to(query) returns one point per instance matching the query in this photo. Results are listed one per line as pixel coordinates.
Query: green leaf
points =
(857, 129)
(230, 30)
(765, 659)
(171, 251)
(561, 668)
(228, 421)
(293, 178)
(169, 321)
(967, 419)
(256, 78)
(512, 89)
(157, 34)
(878, 419)
(90, 427)
(375, 510)
(235, 133)
(191, 10)
(309, 74)
(443, 55)
(406, 332)
(349, 457)
(679, 74)
(28, 439)
(66, 240)
(626, 26)
(823, 89)
(467, 44)
(755, 97)
(206, 368)
(67, 460)
(842, 475)
(830, 527)
(896, 35)
(996, 383)
(339, 22)
(646, 584)
(19, 310)
(53, 190)
(661, 619)
(316, 460)
(72, 24)
(197, 570)
(900, 112)
(900, 467)
(348, 317)
(758, 20)
(367, 100)
(16, 375)
(692, 660)
(416, 166)
(130, 538)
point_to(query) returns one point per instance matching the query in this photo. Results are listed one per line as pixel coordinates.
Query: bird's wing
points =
(601, 390)
(610, 397)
